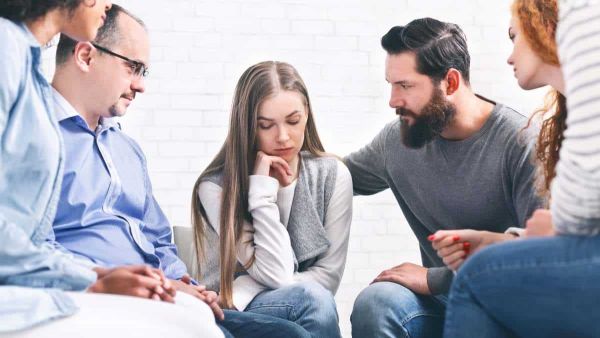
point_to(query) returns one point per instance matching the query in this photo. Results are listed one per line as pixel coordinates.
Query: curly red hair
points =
(538, 20)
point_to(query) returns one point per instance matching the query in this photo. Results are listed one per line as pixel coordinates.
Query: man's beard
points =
(114, 109)
(429, 124)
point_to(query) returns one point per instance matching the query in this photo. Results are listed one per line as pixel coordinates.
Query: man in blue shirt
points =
(107, 213)
(38, 283)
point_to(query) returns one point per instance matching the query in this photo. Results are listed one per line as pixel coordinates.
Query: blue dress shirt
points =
(30, 180)
(106, 212)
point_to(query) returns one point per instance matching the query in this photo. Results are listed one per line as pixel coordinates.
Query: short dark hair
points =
(108, 35)
(438, 46)
(23, 10)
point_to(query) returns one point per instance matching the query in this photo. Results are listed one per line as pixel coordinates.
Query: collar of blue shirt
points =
(64, 110)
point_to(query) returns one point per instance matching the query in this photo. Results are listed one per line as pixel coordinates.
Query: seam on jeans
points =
(489, 268)
(289, 308)
(409, 318)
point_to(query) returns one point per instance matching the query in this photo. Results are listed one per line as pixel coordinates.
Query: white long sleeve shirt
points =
(268, 240)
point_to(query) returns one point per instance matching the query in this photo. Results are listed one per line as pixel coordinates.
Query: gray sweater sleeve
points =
(439, 280)
(367, 165)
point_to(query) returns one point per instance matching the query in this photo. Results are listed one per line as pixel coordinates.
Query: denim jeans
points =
(254, 325)
(307, 304)
(387, 309)
(545, 287)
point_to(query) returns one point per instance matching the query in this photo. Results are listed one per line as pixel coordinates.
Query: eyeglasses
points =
(138, 68)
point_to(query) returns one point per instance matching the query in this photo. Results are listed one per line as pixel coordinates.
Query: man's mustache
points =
(129, 96)
(405, 112)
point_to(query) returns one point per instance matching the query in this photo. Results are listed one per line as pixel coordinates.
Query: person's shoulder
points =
(343, 173)
(13, 37)
(14, 46)
(392, 127)
(209, 190)
(11, 31)
(511, 124)
(517, 135)
(214, 177)
(509, 116)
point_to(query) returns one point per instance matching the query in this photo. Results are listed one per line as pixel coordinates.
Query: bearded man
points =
(453, 159)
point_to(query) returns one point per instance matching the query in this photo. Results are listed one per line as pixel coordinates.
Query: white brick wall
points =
(200, 48)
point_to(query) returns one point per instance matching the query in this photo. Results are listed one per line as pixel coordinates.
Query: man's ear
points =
(452, 81)
(83, 53)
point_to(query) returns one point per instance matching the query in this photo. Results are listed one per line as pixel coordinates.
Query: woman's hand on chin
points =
(273, 166)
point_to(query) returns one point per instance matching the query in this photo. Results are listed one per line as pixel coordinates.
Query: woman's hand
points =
(455, 246)
(200, 292)
(273, 166)
(540, 224)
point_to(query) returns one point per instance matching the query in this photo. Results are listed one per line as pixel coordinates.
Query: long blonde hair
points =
(236, 159)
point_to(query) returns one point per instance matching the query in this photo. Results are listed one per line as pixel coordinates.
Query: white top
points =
(268, 240)
(575, 203)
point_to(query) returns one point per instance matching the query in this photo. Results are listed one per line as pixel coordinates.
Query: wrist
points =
(491, 237)
(97, 287)
(503, 237)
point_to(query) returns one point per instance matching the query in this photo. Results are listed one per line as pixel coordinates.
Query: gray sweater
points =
(485, 182)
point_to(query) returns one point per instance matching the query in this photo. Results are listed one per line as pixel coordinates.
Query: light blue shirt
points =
(106, 212)
(30, 180)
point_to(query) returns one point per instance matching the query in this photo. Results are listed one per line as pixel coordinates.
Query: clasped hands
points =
(146, 282)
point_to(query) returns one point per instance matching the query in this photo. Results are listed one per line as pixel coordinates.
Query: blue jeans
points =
(253, 325)
(307, 304)
(387, 309)
(545, 287)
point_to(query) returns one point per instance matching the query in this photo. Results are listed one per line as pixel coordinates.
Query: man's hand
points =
(455, 246)
(540, 224)
(200, 292)
(411, 276)
(138, 281)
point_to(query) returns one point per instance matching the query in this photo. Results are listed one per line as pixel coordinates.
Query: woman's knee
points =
(316, 296)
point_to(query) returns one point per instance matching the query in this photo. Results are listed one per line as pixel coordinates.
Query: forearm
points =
(269, 241)
(27, 264)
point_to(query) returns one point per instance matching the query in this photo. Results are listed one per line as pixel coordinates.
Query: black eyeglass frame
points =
(140, 68)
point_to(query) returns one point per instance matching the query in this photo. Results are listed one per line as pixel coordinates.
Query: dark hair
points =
(24, 10)
(437, 45)
(108, 35)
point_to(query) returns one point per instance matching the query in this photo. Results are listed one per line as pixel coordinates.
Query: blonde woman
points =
(272, 209)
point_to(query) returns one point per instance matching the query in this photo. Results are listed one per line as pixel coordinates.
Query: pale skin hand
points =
(273, 166)
(540, 224)
(200, 292)
(409, 275)
(455, 246)
(137, 281)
